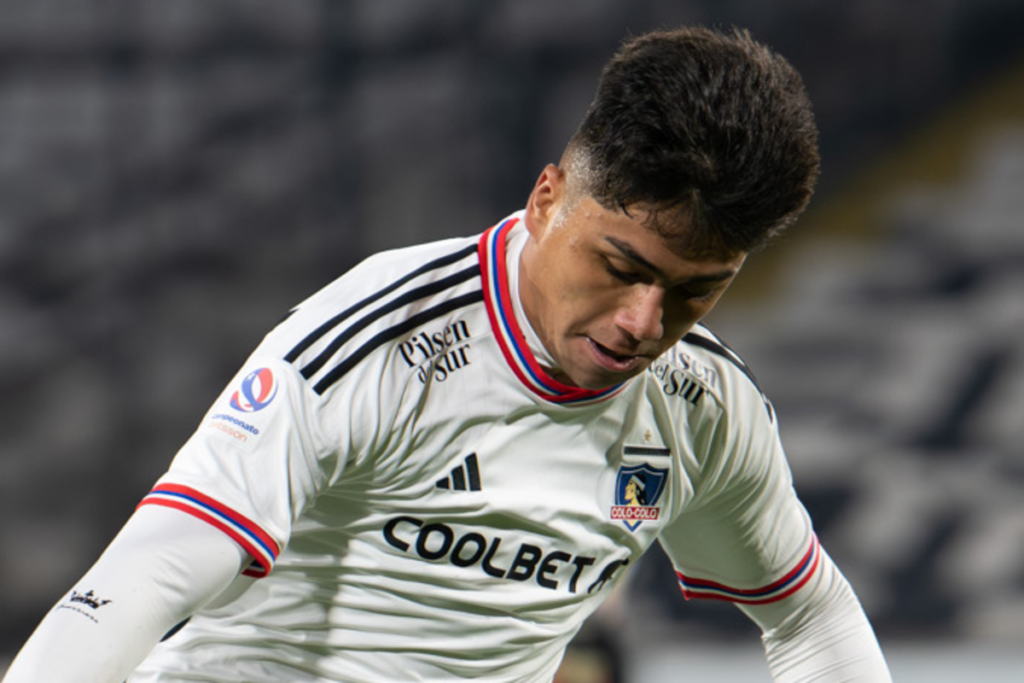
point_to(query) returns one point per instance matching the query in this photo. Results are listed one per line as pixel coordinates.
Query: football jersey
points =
(422, 500)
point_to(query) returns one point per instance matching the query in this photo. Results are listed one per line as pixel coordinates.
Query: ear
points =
(544, 200)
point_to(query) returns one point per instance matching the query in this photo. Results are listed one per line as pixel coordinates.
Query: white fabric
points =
(435, 507)
(352, 449)
(820, 633)
(160, 568)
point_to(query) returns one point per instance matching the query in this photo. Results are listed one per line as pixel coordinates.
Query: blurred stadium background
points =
(175, 175)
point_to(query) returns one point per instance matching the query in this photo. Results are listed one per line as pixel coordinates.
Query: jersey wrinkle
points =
(468, 497)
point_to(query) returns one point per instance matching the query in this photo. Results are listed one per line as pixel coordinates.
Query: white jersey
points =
(426, 502)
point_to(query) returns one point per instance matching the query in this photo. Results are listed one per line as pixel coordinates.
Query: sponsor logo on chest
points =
(551, 568)
(438, 354)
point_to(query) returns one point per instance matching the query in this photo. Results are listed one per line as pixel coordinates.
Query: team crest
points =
(637, 490)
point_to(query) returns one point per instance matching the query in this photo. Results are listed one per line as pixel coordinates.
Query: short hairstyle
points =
(701, 125)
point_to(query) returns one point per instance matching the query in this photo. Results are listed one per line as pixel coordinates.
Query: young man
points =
(438, 466)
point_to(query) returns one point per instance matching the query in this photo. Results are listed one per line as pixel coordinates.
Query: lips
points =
(616, 362)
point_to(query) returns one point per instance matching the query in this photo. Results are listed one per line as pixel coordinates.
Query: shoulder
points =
(702, 365)
(396, 274)
(378, 301)
(730, 424)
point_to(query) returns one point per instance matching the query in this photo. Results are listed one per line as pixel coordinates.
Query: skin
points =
(630, 494)
(606, 294)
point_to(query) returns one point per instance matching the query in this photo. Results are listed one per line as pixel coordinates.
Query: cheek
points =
(579, 282)
(683, 316)
(584, 307)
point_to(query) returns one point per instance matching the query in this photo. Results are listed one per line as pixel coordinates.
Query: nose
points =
(641, 316)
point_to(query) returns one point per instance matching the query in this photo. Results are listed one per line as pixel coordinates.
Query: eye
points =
(700, 295)
(626, 276)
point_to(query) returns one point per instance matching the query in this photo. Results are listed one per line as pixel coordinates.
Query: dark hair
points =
(698, 124)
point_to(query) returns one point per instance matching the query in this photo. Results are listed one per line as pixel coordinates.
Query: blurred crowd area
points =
(176, 175)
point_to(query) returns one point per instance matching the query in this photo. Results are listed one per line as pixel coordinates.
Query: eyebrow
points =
(630, 253)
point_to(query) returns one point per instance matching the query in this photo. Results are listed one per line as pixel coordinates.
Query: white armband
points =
(160, 568)
(821, 634)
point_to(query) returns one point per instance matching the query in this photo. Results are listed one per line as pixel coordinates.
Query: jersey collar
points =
(498, 299)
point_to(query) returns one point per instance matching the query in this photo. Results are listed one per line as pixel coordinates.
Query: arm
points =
(814, 628)
(160, 569)
(820, 633)
(226, 506)
(753, 546)
(744, 537)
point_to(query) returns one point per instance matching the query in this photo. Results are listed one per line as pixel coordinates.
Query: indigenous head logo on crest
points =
(637, 490)
(258, 389)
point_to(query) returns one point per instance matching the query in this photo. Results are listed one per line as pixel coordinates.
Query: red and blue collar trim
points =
(498, 299)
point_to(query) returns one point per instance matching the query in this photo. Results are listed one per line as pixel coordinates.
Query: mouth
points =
(616, 362)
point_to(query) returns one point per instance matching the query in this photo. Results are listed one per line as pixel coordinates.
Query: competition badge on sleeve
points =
(637, 491)
(241, 424)
(256, 392)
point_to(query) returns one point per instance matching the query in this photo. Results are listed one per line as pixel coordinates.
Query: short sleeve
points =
(746, 538)
(257, 460)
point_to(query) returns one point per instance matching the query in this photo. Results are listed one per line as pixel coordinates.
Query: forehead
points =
(661, 241)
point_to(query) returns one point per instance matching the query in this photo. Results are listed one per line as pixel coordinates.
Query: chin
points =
(599, 382)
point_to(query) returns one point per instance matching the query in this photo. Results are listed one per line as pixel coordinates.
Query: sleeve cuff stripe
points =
(783, 588)
(242, 530)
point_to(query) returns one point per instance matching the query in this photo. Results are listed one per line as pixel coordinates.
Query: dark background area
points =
(174, 176)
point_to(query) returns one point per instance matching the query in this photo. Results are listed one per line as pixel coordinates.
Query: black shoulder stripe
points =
(723, 351)
(730, 355)
(387, 335)
(426, 290)
(319, 332)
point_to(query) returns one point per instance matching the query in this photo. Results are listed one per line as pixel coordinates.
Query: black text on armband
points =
(80, 602)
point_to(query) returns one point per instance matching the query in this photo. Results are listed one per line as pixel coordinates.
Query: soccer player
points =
(429, 470)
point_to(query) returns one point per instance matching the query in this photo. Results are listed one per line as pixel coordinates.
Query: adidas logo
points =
(465, 477)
